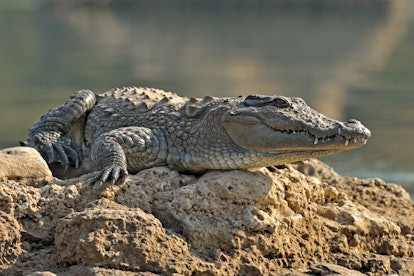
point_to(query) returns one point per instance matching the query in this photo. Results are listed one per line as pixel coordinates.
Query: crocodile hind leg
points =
(50, 134)
(127, 149)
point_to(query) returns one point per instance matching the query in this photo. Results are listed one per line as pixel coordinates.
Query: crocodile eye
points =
(280, 102)
(258, 101)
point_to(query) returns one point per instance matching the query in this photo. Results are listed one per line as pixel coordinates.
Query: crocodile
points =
(129, 129)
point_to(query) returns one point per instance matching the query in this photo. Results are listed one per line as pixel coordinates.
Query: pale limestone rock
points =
(99, 271)
(221, 223)
(333, 269)
(22, 162)
(42, 273)
(10, 240)
(114, 236)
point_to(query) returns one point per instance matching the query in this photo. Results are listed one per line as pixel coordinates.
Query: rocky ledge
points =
(303, 219)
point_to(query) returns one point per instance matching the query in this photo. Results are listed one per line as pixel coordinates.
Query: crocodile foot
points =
(56, 148)
(112, 174)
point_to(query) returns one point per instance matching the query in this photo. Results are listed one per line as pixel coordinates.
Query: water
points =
(345, 58)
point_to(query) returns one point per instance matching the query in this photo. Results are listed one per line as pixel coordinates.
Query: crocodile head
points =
(288, 127)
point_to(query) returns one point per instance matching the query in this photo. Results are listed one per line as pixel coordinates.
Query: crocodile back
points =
(128, 106)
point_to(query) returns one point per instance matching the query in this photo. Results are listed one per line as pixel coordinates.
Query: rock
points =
(114, 236)
(22, 162)
(300, 220)
(42, 273)
(10, 236)
(99, 271)
(332, 269)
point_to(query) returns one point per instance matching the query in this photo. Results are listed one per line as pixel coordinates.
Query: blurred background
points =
(346, 58)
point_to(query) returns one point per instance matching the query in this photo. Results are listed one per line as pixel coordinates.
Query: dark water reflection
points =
(345, 58)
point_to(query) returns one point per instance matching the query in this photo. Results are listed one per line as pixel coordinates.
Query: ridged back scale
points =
(128, 106)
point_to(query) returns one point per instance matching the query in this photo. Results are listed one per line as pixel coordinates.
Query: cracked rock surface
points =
(303, 219)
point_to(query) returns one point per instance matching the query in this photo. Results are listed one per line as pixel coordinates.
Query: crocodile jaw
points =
(261, 134)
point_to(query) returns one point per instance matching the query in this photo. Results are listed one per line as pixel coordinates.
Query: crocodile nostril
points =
(353, 121)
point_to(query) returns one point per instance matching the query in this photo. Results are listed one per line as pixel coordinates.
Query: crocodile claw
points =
(57, 149)
(64, 154)
(111, 175)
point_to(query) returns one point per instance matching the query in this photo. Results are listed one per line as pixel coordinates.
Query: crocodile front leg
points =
(49, 134)
(127, 149)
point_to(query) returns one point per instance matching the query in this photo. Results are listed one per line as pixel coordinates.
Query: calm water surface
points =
(345, 59)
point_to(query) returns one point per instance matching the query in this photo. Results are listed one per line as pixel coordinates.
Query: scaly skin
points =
(130, 129)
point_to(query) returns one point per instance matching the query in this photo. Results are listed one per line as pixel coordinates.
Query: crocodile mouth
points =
(276, 136)
(315, 141)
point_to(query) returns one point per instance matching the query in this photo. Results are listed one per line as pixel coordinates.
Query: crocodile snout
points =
(354, 128)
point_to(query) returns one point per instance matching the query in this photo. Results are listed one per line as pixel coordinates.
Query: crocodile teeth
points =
(346, 142)
(339, 131)
(365, 140)
(315, 141)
